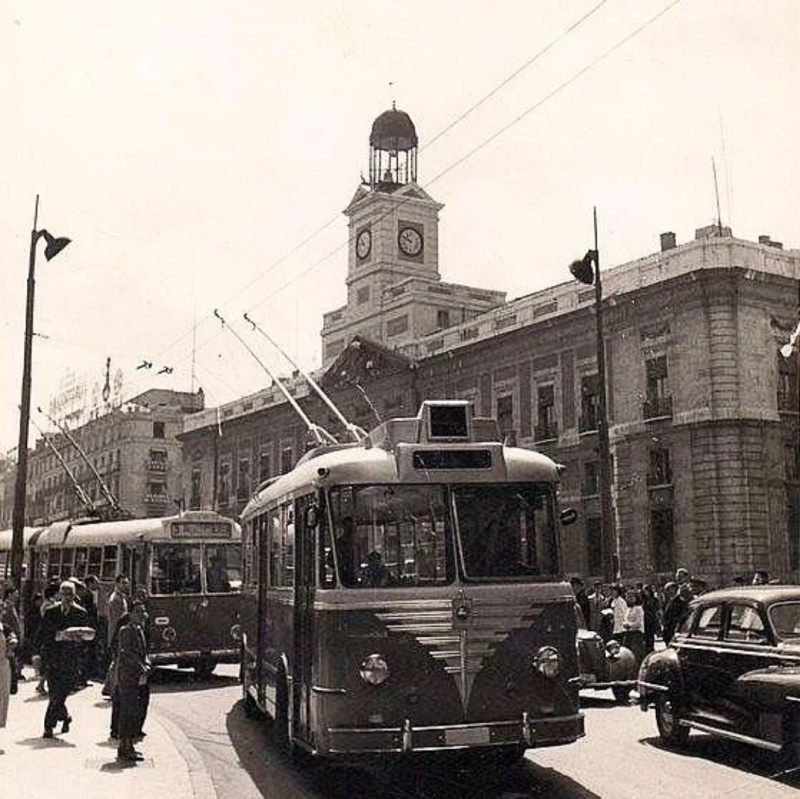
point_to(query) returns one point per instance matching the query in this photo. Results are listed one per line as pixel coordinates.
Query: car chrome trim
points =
(651, 686)
(734, 736)
(318, 689)
(793, 698)
(766, 652)
(467, 726)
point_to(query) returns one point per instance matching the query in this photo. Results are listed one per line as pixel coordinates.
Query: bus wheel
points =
(205, 668)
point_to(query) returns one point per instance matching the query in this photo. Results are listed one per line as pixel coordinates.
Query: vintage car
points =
(604, 665)
(732, 670)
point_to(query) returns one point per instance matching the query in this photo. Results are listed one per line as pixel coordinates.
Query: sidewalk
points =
(83, 762)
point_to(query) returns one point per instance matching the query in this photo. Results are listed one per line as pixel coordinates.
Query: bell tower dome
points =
(392, 150)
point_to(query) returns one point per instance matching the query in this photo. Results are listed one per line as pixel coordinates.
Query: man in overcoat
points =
(133, 668)
(60, 655)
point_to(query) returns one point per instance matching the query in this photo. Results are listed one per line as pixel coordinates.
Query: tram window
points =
(507, 531)
(223, 569)
(176, 569)
(67, 563)
(281, 545)
(3, 563)
(54, 563)
(392, 535)
(81, 556)
(109, 569)
(95, 561)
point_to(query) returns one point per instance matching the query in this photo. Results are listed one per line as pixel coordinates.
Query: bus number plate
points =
(470, 736)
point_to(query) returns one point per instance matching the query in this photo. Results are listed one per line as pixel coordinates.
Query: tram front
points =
(442, 620)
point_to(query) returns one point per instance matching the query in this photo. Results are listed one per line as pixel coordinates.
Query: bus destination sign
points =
(200, 530)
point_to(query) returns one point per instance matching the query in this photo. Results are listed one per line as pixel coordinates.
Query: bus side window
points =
(95, 561)
(81, 558)
(109, 568)
(53, 562)
(327, 570)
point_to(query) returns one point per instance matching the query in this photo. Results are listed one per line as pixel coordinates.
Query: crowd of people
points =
(637, 615)
(68, 643)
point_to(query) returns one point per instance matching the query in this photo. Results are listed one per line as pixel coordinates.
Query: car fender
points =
(622, 666)
(660, 673)
(773, 689)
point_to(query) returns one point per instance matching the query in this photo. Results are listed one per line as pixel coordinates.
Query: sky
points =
(200, 154)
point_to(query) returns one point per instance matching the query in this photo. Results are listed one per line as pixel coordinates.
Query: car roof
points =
(765, 594)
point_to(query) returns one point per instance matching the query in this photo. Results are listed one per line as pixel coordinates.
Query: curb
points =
(202, 785)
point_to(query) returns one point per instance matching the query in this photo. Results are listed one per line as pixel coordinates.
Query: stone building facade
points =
(135, 449)
(703, 410)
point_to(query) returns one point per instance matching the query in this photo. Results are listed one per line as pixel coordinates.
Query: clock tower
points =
(394, 289)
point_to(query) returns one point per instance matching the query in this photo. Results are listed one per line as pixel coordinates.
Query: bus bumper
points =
(189, 657)
(527, 732)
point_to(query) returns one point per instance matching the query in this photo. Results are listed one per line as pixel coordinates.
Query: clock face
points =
(363, 243)
(410, 241)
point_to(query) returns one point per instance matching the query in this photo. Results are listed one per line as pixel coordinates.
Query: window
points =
(281, 545)
(223, 569)
(594, 545)
(362, 295)
(264, 466)
(546, 426)
(396, 326)
(243, 487)
(660, 472)
(507, 531)
(745, 624)
(157, 489)
(95, 561)
(109, 568)
(710, 623)
(176, 569)
(787, 384)
(785, 618)
(662, 537)
(158, 429)
(195, 491)
(505, 419)
(286, 460)
(54, 563)
(389, 535)
(67, 563)
(591, 482)
(658, 401)
(223, 484)
(442, 319)
(589, 400)
(81, 560)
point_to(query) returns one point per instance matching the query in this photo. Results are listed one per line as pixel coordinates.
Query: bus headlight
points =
(548, 661)
(374, 670)
(236, 632)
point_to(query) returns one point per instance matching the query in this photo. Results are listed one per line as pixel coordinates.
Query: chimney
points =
(667, 241)
(765, 239)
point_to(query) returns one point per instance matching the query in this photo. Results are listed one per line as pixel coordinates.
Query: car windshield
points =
(785, 618)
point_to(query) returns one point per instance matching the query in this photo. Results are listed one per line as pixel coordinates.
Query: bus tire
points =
(282, 734)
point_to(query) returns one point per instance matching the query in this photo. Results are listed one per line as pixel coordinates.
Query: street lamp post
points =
(587, 270)
(53, 248)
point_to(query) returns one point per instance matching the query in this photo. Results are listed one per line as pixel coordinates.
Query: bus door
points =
(261, 531)
(303, 614)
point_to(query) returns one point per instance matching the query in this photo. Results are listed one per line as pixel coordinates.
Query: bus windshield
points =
(176, 569)
(506, 531)
(223, 568)
(392, 535)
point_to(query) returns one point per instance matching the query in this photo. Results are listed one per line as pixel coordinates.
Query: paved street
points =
(620, 758)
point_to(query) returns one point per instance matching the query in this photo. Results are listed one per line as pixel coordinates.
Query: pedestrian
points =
(143, 691)
(633, 635)
(61, 652)
(681, 576)
(10, 618)
(33, 618)
(619, 608)
(760, 578)
(675, 611)
(597, 602)
(133, 668)
(118, 603)
(92, 668)
(581, 598)
(8, 643)
(652, 613)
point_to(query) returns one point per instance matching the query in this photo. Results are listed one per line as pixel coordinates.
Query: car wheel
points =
(672, 732)
(621, 693)
(790, 753)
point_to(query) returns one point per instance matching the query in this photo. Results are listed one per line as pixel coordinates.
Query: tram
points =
(404, 593)
(187, 568)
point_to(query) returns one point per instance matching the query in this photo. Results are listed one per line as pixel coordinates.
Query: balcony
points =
(587, 423)
(157, 466)
(659, 479)
(657, 408)
(545, 432)
(156, 499)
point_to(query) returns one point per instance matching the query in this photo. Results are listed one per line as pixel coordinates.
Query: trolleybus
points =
(405, 594)
(186, 567)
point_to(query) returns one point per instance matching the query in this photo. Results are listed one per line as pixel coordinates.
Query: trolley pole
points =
(587, 270)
